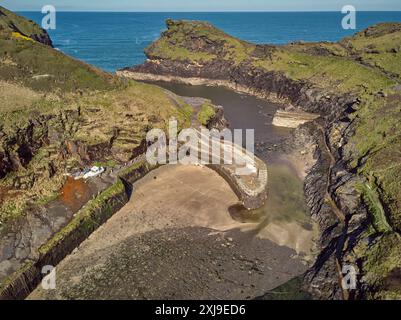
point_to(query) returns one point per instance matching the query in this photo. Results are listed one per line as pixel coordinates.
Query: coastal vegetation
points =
(27, 28)
(199, 42)
(206, 113)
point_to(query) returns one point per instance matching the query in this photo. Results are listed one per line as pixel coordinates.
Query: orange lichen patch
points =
(6, 193)
(3, 194)
(21, 36)
(75, 193)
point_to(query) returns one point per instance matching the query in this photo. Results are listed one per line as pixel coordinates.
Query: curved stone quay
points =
(247, 174)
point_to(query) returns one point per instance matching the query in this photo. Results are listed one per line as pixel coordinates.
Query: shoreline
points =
(288, 117)
(194, 81)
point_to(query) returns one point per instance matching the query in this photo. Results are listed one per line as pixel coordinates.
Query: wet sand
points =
(176, 239)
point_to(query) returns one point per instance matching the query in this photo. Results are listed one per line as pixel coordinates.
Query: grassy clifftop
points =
(9, 21)
(335, 65)
(27, 58)
(199, 42)
(378, 46)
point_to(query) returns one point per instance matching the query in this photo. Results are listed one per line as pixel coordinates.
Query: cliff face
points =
(353, 191)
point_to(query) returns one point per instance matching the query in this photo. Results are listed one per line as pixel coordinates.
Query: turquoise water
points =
(115, 40)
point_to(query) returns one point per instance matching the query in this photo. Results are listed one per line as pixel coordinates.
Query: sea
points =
(114, 40)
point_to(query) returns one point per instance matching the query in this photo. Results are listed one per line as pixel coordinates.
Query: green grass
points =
(198, 42)
(176, 45)
(39, 66)
(130, 111)
(337, 73)
(377, 140)
(133, 110)
(106, 164)
(378, 46)
(35, 187)
(43, 68)
(16, 98)
(206, 113)
(9, 21)
(381, 259)
(379, 220)
(74, 103)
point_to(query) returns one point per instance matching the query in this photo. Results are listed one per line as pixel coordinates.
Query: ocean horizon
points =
(221, 11)
(113, 40)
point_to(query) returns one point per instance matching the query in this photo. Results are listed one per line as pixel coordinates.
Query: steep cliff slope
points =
(11, 21)
(58, 114)
(354, 190)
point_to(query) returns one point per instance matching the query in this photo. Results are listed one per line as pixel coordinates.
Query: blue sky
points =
(203, 5)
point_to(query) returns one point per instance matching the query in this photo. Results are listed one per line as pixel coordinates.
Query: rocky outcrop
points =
(14, 23)
(341, 216)
(42, 38)
(290, 119)
(218, 121)
(22, 144)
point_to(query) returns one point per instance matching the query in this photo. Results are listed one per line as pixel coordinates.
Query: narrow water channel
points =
(242, 112)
